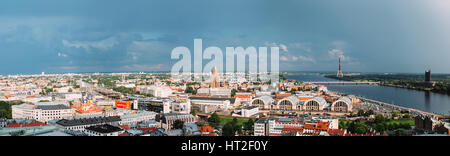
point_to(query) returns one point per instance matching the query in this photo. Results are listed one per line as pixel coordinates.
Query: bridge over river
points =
(343, 83)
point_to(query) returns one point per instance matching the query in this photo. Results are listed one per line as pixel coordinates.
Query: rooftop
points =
(52, 107)
(106, 128)
(212, 98)
(87, 121)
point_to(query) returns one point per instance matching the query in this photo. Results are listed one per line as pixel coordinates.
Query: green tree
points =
(178, 124)
(147, 94)
(3, 113)
(234, 121)
(75, 85)
(248, 126)
(399, 132)
(214, 120)
(357, 127)
(70, 90)
(370, 112)
(5, 108)
(228, 129)
(124, 90)
(380, 119)
(193, 112)
(233, 92)
(351, 114)
(361, 113)
(190, 90)
(48, 90)
(236, 127)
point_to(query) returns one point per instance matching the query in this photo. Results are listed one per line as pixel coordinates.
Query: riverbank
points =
(421, 100)
(413, 111)
(441, 87)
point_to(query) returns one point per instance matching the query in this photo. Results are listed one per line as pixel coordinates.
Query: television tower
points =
(340, 73)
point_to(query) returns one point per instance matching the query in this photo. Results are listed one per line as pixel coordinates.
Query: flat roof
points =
(52, 107)
(106, 128)
(88, 121)
(212, 98)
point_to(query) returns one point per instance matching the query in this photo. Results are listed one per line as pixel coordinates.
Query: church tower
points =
(340, 73)
(215, 79)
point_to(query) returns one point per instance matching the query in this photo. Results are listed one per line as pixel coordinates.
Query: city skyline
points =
(82, 37)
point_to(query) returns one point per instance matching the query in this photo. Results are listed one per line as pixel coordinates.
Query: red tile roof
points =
(124, 126)
(32, 124)
(206, 128)
(289, 129)
(210, 134)
(243, 96)
(147, 129)
(337, 132)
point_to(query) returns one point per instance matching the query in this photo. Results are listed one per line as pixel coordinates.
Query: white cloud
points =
(143, 67)
(273, 44)
(336, 53)
(297, 58)
(105, 44)
(62, 55)
(303, 58)
(283, 47)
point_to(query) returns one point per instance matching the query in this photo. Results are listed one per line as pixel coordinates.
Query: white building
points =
(136, 117)
(242, 98)
(166, 121)
(72, 96)
(275, 126)
(42, 112)
(157, 91)
(247, 111)
(68, 96)
(208, 105)
(303, 127)
(263, 102)
(203, 92)
(126, 85)
(218, 92)
(179, 106)
(343, 104)
(260, 128)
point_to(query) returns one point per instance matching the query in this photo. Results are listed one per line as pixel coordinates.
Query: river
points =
(421, 100)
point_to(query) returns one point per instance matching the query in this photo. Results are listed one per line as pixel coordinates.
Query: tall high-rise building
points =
(215, 79)
(340, 73)
(428, 76)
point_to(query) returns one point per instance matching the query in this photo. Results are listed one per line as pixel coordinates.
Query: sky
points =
(54, 36)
